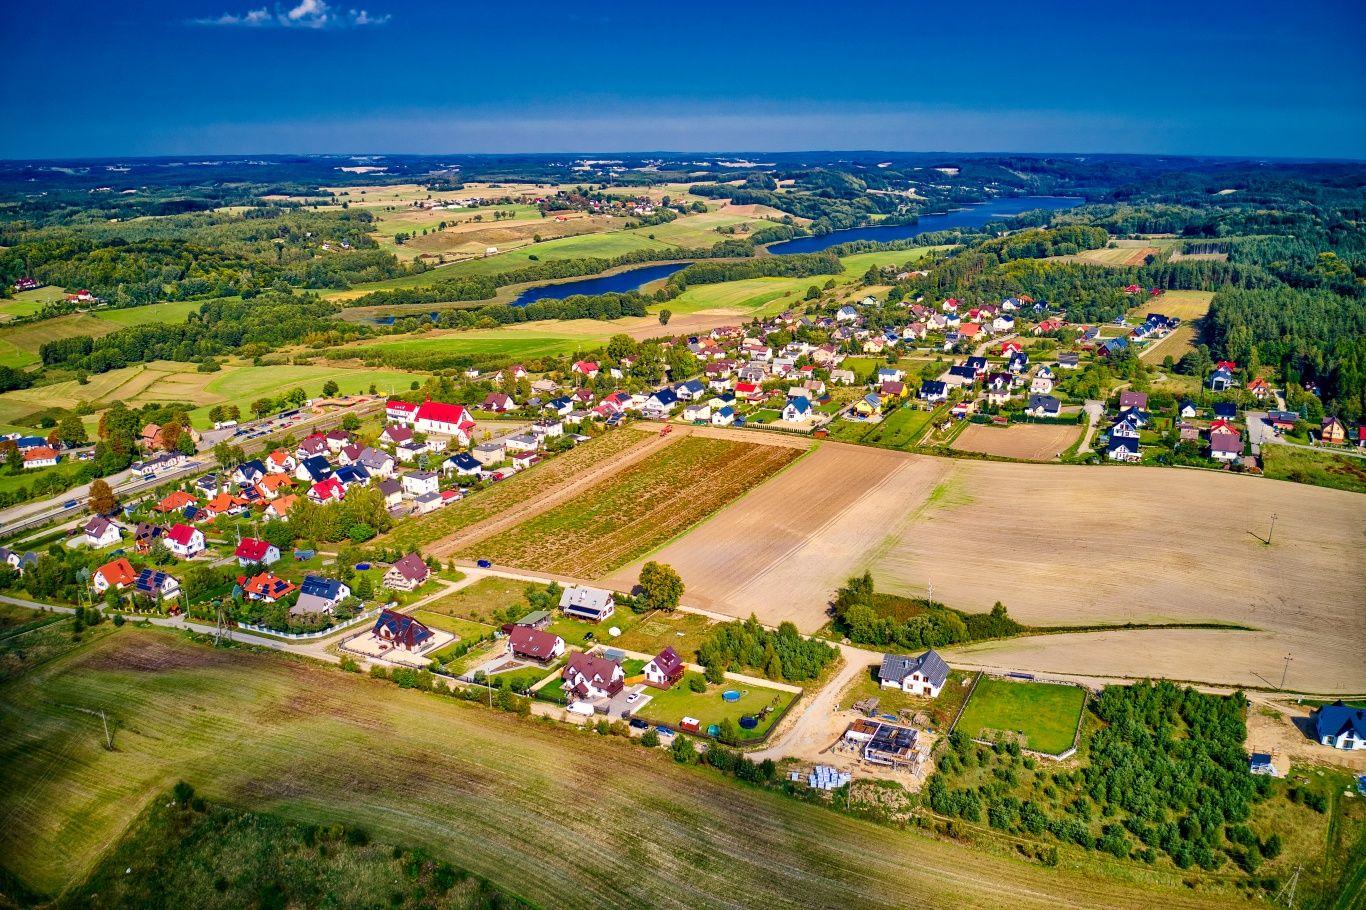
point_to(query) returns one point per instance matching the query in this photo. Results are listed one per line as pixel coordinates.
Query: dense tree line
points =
(797, 265)
(783, 654)
(868, 617)
(220, 326)
(484, 287)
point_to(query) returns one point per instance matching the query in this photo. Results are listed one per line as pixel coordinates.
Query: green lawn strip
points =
(1045, 713)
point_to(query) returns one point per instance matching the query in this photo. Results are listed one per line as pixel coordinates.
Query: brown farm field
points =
(1059, 545)
(1027, 441)
(485, 790)
(631, 512)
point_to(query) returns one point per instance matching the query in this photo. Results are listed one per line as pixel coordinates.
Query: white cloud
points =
(315, 14)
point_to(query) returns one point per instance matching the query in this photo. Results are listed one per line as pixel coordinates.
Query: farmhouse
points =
(665, 669)
(1340, 726)
(923, 675)
(408, 573)
(533, 644)
(401, 631)
(582, 602)
(588, 677)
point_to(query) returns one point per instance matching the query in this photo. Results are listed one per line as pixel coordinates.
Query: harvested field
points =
(782, 550)
(441, 532)
(1026, 441)
(630, 513)
(1185, 305)
(1059, 545)
(479, 788)
(1148, 545)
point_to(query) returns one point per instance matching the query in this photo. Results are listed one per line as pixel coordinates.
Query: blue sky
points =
(1224, 77)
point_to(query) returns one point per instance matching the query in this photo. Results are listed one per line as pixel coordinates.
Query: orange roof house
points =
(175, 501)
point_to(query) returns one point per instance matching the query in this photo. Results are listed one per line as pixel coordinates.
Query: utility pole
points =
(1273, 529)
(1288, 889)
(1288, 659)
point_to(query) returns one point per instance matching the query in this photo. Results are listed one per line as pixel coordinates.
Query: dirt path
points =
(818, 723)
(550, 498)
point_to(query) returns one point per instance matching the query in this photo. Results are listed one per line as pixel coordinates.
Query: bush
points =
(650, 738)
(697, 683)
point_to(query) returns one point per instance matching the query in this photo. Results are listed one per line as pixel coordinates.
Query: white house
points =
(101, 532)
(588, 677)
(420, 483)
(1341, 726)
(582, 602)
(797, 410)
(923, 675)
(184, 541)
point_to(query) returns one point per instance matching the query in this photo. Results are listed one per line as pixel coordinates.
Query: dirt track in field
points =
(555, 495)
(1030, 441)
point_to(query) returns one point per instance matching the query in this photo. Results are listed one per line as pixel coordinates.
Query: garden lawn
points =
(482, 601)
(670, 706)
(1045, 713)
(684, 632)
(899, 429)
(465, 630)
(629, 514)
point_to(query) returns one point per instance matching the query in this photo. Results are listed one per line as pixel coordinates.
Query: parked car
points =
(632, 697)
(639, 724)
(588, 636)
(484, 564)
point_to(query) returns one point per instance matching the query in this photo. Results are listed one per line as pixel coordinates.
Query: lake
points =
(973, 216)
(621, 282)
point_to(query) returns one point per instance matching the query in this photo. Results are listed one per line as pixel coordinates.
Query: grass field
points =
(477, 788)
(631, 513)
(19, 345)
(169, 381)
(482, 601)
(26, 303)
(684, 632)
(898, 430)
(521, 487)
(1044, 714)
(1322, 468)
(226, 858)
(669, 706)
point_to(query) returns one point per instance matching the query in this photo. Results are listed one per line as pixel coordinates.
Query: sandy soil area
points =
(1032, 441)
(782, 550)
(1210, 656)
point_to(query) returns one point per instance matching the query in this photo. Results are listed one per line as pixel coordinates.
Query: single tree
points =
(661, 588)
(665, 316)
(102, 498)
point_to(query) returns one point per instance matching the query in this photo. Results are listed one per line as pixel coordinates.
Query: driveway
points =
(817, 720)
